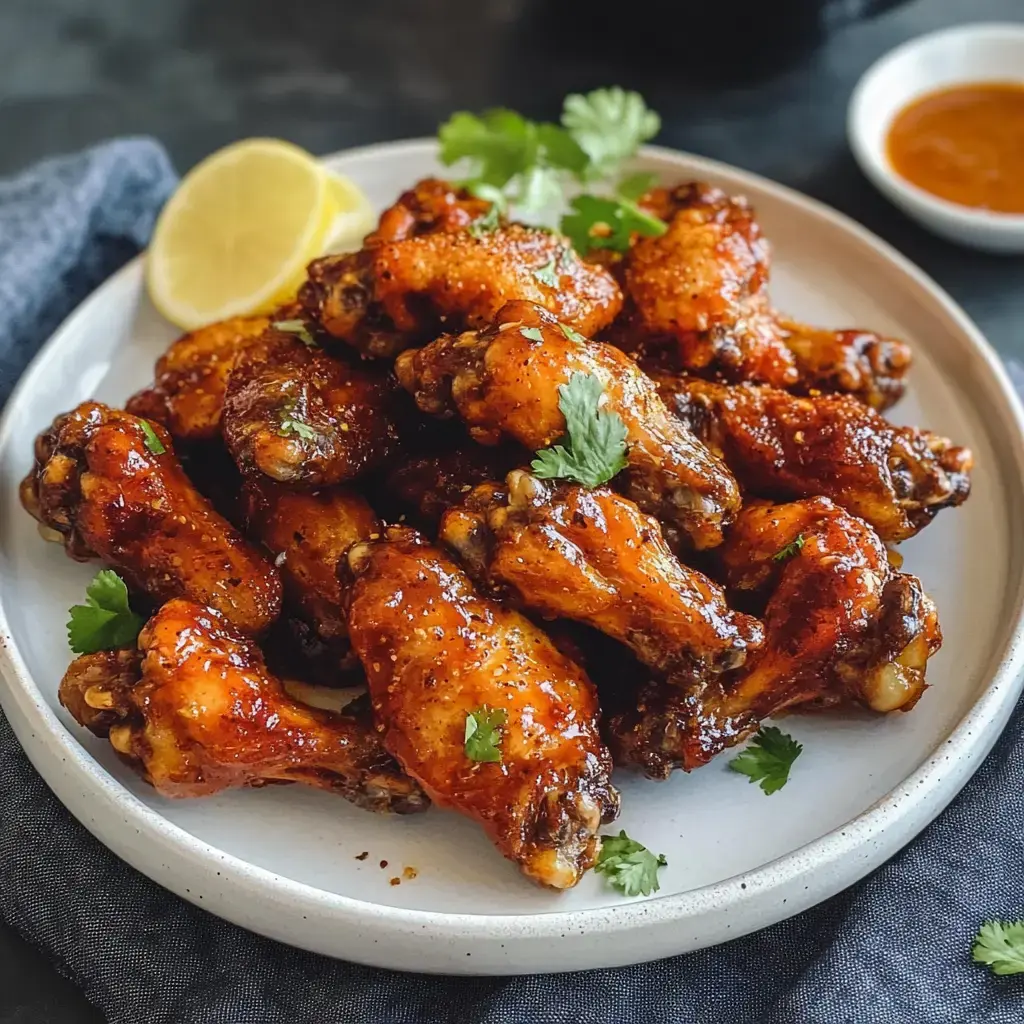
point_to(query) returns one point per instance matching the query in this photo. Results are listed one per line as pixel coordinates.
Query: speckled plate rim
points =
(305, 916)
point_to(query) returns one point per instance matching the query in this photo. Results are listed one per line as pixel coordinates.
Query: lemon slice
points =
(236, 236)
(355, 217)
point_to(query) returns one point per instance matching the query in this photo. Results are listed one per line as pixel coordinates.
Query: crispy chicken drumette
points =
(841, 626)
(504, 383)
(593, 556)
(299, 416)
(696, 301)
(431, 266)
(195, 711)
(784, 447)
(101, 482)
(435, 653)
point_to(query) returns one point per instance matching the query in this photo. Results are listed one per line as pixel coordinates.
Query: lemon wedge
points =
(354, 218)
(236, 236)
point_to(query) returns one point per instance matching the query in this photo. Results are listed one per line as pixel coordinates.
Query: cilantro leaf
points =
(633, 186)
(608, 125)
(594, 447)
(629, 866)
(547, 274)
(599, 223)
(153, 442)
(532, 333)
(291, 424)
(571, 334)
(299, 329)
(1000, 945)
(791, 550)
(105, 621)
(768, 759)
(483, 733)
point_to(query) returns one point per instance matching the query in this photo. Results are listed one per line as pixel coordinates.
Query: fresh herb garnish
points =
(1000, 945)
(791, 550)
(291, 424)
(483, 733)
(153, 442)
(299, 329)
(547, 274)
(571, 334)
(531, 161)
(105, 621)
(633, 186)
(630, 866)
(486, 222)
(532, 333)
(594, 447)
(768, 759)
(596, 222)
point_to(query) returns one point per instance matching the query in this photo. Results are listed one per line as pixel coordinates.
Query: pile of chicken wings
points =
(342, 495)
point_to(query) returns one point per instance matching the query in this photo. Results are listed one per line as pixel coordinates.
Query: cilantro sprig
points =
(594, 447)
(291, 423)
(791, 550)
(484, 731)
(530, 163)
(768, 759)
(628, 865)
(105, 622)
(299, 329)
(153, 442)
(1000, 946)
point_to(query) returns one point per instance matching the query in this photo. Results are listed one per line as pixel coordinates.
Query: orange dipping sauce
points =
(964, 144)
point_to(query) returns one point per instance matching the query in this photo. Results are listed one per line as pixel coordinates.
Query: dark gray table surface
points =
(326, 74)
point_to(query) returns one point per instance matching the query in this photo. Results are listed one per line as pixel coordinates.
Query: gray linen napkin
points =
(893, 949)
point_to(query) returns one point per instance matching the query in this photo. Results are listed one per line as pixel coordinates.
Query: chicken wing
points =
(431, 205)
(783, 447)
(426, 486)
(696, 301)
(299, 416)
(396, 295)
(187, 395)
(98, 482)
(504, 382)
(593, 556)
(435, 653)
(841, 626)
(195, 711)
(309, 533)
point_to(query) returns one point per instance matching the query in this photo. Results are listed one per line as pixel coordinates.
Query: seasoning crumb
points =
(383, 864)
(409, 873)
(363, 855)
(396, 881)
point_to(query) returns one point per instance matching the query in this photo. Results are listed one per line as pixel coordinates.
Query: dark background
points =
(765, 92)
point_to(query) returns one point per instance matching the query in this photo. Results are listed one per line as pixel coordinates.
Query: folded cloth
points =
(894, 949)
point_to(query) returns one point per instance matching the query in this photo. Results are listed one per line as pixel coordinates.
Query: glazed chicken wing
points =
(431, 205)
(593, 556)
(436, 652)
(395, 295)
(99, 484)
(783, 447)
(309, 533)
(187, 395)
(427, 485)
(299, 416)
(696, 301)
(195, 711)
(841, 626)
(504, 383)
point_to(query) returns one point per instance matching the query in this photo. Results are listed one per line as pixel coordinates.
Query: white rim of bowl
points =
(913, 795)
(873, 161)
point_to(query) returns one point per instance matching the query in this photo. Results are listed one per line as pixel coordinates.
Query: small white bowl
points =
(954, 56)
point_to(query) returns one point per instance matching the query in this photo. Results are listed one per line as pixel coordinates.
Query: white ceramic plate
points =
(283, 860)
